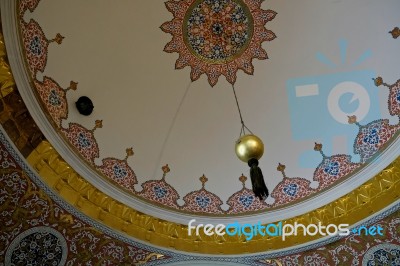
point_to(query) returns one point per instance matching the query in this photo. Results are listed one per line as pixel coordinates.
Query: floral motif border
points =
(61, 217)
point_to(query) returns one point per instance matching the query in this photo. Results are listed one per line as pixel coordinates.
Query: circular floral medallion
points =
(218, 30)
(383, 254)
(37, 246)
(217, 37)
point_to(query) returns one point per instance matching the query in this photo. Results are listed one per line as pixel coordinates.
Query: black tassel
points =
(257, 180)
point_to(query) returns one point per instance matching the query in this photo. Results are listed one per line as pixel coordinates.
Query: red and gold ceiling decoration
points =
(214, 38)
(218, 37)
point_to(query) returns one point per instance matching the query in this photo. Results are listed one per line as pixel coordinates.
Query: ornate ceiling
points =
(136, 95)
(161, 140)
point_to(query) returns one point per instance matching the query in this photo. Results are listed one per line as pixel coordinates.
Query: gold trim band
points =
(7, 82)
(374, 195)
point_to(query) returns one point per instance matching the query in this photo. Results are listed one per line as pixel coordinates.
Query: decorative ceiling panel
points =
(58, 78)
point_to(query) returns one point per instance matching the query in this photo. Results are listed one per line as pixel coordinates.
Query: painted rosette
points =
(217, 37)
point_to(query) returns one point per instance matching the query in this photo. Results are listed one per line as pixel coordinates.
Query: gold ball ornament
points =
(249, 147)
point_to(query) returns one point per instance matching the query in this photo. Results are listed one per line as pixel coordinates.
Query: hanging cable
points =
(164, 145)
(237, 104)
(242, 130)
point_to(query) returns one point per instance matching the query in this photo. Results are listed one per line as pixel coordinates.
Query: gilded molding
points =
(374, 195)
(7, 82)
(14, 115)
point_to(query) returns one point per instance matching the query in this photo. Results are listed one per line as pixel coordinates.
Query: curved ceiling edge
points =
(11, 34)
(362, 203)
(248, 259)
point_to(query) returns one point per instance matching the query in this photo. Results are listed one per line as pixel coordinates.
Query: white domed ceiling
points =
(162, 140)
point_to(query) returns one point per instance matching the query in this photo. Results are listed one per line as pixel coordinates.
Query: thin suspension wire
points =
(237, 104)
(242, 130)
(164, 145)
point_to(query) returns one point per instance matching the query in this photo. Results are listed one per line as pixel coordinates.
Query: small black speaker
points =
(84, 105)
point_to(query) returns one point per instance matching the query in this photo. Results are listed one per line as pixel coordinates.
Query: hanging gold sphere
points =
(249, 147)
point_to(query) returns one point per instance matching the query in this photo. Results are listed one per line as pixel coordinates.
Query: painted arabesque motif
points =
(39, 231)
(218, 37)
(42, 227)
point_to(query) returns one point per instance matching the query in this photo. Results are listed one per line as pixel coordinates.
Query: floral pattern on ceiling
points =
(83, 140)
(371, 140)
(354, 249)
(333, 168)
(290, 189)
(160, 191)
(217, 37)
(37, 228)
(37, 246)
(372, 137)
(40, 225)
(244, 200)
(36, 48)
(53, 98)
(25, 5)
(119, 171)
(202, 200)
